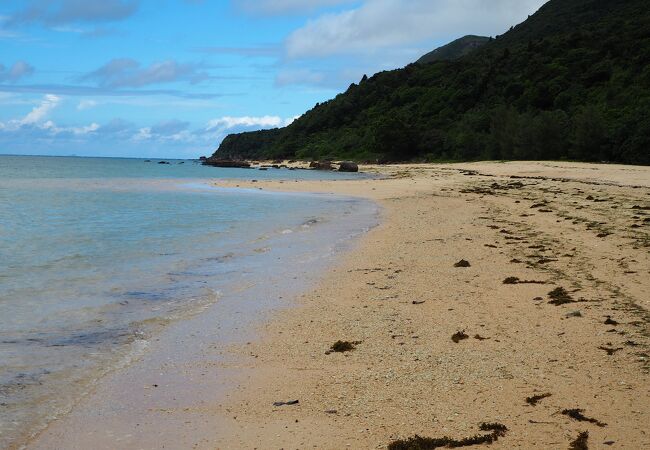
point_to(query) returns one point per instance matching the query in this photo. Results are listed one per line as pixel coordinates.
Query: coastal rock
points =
(163, 162)
(321, 165)
(348, 166)
(215, 162)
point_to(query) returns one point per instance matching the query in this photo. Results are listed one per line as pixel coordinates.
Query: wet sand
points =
(400, 298)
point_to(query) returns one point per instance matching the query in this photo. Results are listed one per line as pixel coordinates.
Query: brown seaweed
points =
(576, 414)
(416, 442)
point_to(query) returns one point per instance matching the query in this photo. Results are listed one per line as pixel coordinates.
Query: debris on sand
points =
(288, 403)
(560, 296)
(418, 302)
(580, 443)
(610, 350)
(610, 321)
(576, 414)
(536, 398)
(478, 337)
(416, 442)
(459, 336)
(462, 263)
(516, 280)
(342, 347)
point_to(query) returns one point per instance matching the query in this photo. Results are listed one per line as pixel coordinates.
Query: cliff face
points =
(572, 81)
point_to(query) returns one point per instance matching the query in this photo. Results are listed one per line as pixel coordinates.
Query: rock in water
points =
(214, 162)
(348, 166)
(324, 165)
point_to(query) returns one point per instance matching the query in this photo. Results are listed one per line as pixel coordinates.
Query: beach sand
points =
(573, 226)
(400, 298)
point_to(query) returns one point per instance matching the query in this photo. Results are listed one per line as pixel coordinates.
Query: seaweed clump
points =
(536, 398)
(496, 430)
(580, 443)
(560, 296)
(576, 414)
(459, 336)
(342, 347)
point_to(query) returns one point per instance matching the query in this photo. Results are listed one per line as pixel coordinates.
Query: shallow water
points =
(97, 255)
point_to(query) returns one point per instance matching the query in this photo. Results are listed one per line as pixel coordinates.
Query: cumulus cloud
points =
(20, 69)
(62, 12)
(126, 72)
(39, 112)
(228, 122)
(379, 24)
(285, 6)
(34, 124)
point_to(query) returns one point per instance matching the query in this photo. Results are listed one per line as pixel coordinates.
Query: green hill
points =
(572, 81)
(454, 50)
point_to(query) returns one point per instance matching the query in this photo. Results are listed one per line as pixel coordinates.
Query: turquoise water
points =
(97, 255)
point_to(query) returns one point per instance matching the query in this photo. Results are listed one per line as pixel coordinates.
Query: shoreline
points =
(127, 405)
(399, 296)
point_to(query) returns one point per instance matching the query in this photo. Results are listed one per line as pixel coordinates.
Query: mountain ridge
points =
(571, 82)
(455, 49)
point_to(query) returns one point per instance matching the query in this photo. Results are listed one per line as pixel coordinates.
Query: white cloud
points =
(380, 24)
(20, 69)
(39, 112)
(61, 12)
(34, 122)
(228, 122)
(86, 104)
(126, 72)
(286, 6)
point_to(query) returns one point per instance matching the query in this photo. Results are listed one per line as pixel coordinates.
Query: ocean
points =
(98, 255)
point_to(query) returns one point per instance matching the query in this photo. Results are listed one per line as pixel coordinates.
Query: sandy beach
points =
(525, 230)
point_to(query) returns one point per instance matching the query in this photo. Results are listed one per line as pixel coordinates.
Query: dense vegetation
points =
(571, 82)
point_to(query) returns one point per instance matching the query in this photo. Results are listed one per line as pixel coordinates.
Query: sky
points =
(172, 78)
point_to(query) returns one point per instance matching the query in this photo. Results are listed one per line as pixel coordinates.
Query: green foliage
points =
(572, 82)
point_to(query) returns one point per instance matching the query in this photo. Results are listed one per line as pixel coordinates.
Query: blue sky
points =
(171, 78)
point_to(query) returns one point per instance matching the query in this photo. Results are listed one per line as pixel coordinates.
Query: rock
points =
(462, 263)
(348, 166)
(202, 158)
(163, 162)
(215, 162)
(324, 165)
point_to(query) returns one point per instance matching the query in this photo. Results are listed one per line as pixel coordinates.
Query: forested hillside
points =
(571, 82)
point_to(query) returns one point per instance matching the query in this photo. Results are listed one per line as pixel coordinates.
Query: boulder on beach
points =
(348, 166)
(321, 165)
